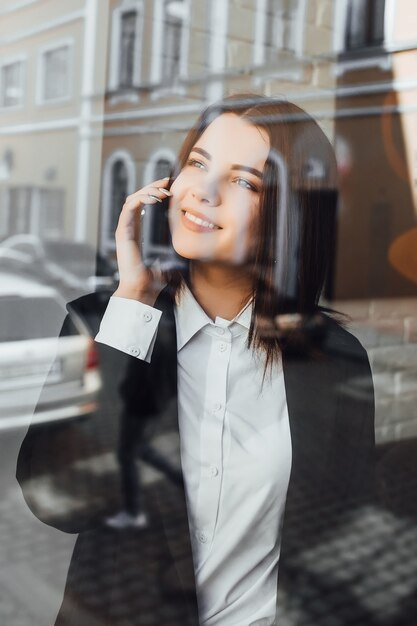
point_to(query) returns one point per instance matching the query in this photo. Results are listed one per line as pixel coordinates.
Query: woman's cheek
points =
(174, 220)
(246, 234)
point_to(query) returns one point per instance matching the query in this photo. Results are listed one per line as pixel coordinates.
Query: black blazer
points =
(331, 411)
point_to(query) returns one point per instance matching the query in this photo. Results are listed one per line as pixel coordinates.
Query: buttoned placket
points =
(211, 440)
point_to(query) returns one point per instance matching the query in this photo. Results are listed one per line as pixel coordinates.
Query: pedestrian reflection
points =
(136, 431)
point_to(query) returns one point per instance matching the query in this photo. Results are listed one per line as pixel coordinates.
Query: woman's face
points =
(215, 199)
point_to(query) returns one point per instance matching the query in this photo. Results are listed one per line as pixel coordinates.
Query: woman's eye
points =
(195, 163)
(242, 182)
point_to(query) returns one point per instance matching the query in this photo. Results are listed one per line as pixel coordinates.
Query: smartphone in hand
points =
(156, 244)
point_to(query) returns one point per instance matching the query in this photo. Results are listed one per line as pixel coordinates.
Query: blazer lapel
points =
(171, 497)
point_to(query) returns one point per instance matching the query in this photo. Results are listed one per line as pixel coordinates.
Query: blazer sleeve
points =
(43, 465)
(46, 457)
(355, 421)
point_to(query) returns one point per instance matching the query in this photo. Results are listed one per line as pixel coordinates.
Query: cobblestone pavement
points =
(34, 558)
(378, 545)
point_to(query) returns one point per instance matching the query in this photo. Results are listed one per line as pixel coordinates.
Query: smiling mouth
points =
(194, 219)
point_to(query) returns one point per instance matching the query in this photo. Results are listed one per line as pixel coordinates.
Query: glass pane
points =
(378, 22)
(170, 495)
(365, 23)
(172, 45)
(20, 201)
(56, 63)
(274, 34)
(11, 90)
(280, 25)
(119, 191)
(163, 168)
(51, 223)
(357, 23)
(127, 48)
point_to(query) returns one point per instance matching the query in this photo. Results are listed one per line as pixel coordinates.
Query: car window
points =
(24, 318)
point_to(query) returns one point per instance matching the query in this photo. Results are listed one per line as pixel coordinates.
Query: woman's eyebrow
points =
(204, 153)
(246, 168)
(236, 166)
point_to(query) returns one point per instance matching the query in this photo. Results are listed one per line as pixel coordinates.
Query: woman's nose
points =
(208, 192)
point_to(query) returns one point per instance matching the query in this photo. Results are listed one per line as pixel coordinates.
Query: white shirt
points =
(235, 453)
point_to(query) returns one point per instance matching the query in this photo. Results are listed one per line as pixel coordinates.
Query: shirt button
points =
(134, 351)
(220, 331)
(213, 471)
(223, 347)
(202, 537)
(217, 406)
(147, 316)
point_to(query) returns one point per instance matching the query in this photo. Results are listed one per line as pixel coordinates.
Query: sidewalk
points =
(377, 545)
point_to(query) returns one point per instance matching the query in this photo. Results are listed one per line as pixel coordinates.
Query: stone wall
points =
(388, 330)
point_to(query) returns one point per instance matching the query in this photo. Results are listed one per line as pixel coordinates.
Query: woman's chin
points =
(196, 249)
(193, 251)
(193, 255)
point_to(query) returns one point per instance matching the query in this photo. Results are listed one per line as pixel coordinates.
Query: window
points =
(364, 24)
(37, 211)
(119, 187)
(170, 37)
(11, 89)
(20, 210)
(281, 25)
(160, 165)
(163, 168)
(118, 182)
(51, 212)
(125, 58)
(55, 73)
(171, 56)
(127, 48)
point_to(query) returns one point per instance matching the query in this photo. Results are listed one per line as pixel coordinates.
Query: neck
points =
(220, 290)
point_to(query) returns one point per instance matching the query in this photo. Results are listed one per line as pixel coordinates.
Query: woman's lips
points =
(196, 223)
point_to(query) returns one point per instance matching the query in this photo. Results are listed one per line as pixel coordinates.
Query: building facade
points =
(51, 106)
(96, 97)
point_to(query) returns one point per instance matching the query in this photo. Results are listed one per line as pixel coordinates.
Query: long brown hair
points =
(296, 216)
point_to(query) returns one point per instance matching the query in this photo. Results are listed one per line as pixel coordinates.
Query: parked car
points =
(38, 350)
(73, 268)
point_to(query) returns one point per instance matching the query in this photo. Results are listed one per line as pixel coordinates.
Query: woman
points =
(270, 416)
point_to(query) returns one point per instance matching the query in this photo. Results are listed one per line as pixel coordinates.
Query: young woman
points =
(274, 398)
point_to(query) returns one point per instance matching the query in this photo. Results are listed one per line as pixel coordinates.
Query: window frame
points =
(30, 218)
(43, 230)
(12, 60)
(260, 24)
(157, 48)
(369, 11)
(364, 57)
(34, 210)
(161, 153)
(115, 49)
(69, 43)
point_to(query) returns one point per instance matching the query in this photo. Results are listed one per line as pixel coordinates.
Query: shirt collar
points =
(190, 317)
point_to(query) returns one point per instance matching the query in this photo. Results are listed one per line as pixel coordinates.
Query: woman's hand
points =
(136, 281)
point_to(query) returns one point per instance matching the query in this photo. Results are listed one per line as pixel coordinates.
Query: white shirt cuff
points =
(130, 326)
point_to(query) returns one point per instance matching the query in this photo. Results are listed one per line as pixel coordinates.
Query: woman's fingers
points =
(153, 191)
(134, 276)
(129, 217)
(156, 189)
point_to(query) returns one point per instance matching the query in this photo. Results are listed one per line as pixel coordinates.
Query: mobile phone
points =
(156, 243)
